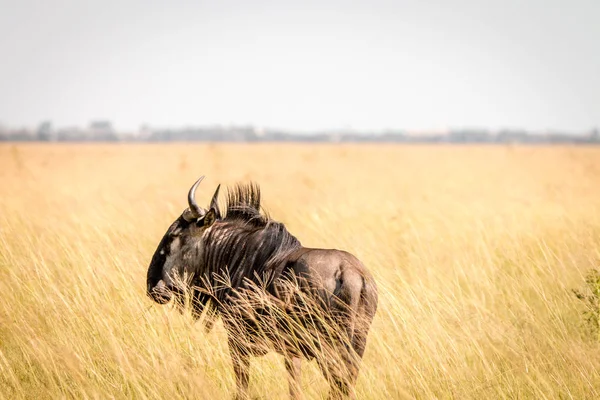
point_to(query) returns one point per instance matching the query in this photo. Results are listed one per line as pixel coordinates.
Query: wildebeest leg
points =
(241, 367)
(340, 366)
(359, 343)
(293, 365)
(209, 319)
(341, 378)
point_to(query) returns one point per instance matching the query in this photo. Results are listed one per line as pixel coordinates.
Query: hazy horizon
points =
(324, 65)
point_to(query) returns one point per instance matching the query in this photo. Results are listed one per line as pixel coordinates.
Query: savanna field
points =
(476, 251)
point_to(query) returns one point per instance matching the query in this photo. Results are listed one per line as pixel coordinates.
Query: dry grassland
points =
(475, 250)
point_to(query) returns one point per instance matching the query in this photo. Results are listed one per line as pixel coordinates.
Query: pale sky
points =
(302, 65)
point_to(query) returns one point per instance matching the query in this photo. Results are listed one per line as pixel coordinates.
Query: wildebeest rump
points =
(271, 292)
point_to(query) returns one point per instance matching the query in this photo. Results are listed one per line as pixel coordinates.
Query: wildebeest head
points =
(179, 254)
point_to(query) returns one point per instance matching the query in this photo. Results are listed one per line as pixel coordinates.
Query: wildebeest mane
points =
(248, 242)
(243, 203)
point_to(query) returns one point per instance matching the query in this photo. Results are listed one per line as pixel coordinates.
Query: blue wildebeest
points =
(270, 291)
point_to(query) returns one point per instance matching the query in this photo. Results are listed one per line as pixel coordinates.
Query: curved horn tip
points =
(198, 181)
(194, 207)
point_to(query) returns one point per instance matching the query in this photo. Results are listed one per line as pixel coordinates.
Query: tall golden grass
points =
(475, 251)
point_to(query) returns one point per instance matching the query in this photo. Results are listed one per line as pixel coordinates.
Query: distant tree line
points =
(103, 131)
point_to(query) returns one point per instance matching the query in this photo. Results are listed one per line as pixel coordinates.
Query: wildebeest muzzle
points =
(160, 293)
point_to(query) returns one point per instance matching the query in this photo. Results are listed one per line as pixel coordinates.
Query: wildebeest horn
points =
(214, 203)
(196, 210)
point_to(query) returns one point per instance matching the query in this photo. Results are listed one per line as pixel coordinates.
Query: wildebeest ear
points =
(209, 218)
(214, 203)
